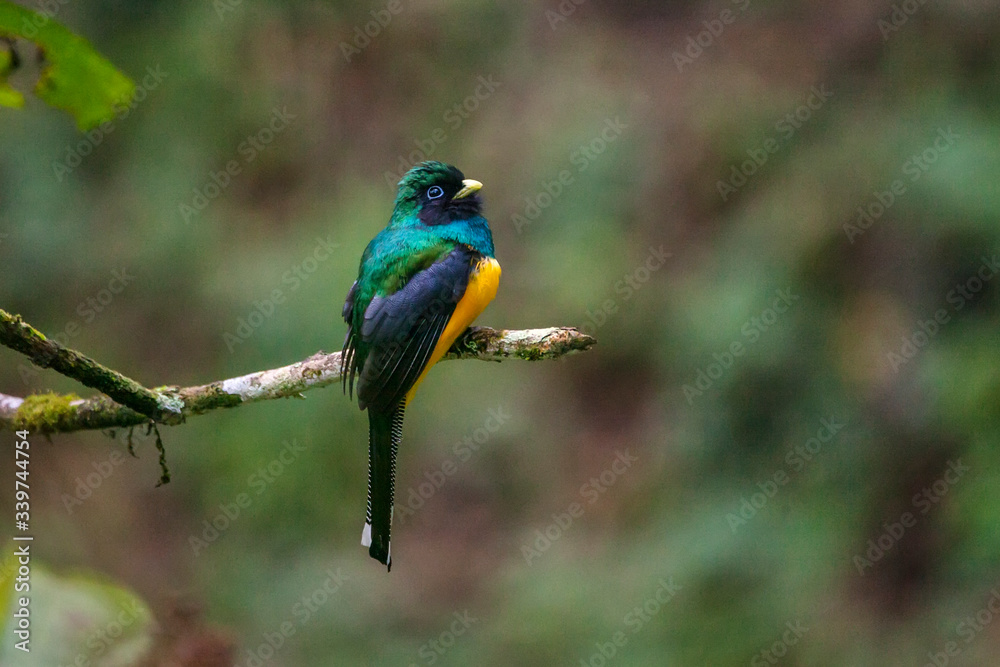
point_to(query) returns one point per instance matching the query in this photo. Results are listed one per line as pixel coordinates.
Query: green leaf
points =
(75, 78)
(75, 619)
(8, 62)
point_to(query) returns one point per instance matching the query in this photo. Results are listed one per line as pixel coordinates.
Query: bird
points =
(421, 282)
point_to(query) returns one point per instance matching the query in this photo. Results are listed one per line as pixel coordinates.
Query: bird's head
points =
(437, 194)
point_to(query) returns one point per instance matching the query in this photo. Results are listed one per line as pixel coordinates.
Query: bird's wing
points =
(350, 349)
(400, 330)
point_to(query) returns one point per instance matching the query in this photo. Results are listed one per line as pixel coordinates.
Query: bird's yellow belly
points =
(482, 289)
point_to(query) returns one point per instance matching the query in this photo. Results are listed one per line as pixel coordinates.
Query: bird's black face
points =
(448, 199)
(439, 194)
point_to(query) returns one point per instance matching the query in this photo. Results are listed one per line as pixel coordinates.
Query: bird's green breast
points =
(389, 263)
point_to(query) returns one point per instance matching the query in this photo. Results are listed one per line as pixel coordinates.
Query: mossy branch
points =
(18, 335)
(134, 404)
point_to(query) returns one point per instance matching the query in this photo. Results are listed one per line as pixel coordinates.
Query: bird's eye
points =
(435, 192)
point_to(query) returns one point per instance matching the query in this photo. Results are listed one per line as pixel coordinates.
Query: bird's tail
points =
(385, 430)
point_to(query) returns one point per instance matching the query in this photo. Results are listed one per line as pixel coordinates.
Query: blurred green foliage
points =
(70, 619)
(731, 163)
(74, 78)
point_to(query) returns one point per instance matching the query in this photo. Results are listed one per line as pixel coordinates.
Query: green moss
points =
(471, 342)
(213, 396)
(45, 413)
(530, 354)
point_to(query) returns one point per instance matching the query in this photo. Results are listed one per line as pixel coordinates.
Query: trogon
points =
(422, 281)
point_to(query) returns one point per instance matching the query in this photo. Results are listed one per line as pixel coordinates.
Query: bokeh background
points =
(828, 495)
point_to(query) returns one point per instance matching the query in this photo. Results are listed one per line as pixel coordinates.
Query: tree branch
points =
(135, 405)
(18, 335)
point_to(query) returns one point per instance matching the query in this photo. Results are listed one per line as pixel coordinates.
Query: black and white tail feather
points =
(384, 435)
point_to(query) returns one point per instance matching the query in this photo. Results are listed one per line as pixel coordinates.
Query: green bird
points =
(422, 281)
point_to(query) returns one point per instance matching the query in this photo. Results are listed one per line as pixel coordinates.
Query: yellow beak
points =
(471, 187)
